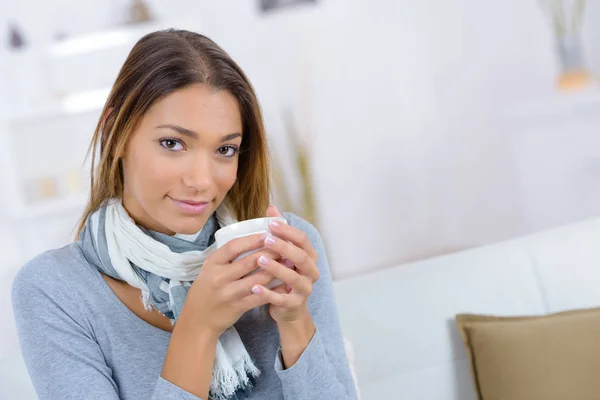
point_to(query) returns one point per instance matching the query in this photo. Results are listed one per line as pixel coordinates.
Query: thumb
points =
(272, 211)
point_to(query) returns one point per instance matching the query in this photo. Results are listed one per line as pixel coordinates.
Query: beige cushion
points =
(540, 357)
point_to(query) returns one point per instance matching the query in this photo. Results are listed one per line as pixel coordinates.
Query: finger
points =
(303, 262)
(283, 288)
(236, 247)
(299, 283)
(242, 267)
(272, 211)
(272, 297)
(294, 235)
(250, 302)
(243, 287)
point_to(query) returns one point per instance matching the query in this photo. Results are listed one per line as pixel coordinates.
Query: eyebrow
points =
(186, 132)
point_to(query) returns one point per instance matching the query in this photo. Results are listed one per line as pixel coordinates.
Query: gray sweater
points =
(79, 341)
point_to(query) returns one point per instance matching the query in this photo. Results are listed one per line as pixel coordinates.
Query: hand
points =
(222, 292)
(288, 302)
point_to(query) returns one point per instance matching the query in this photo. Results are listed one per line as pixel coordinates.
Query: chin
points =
(186, 226)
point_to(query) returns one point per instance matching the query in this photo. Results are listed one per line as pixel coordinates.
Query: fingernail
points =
(288, 263)
(264, 235)
(288, 287)
(262, 260)
(274, 223)
(256, 289)
(269, 240)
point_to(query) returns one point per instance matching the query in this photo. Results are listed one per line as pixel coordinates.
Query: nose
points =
(199, 174)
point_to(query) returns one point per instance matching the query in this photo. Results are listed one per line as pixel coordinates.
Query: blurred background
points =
(405, 129)
(402, 129)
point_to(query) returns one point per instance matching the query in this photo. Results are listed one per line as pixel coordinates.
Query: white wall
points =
(413, 148)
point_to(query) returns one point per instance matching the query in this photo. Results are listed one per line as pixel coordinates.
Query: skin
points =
(162, 164)
(185, 148)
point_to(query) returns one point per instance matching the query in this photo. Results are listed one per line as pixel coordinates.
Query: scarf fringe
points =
(228, 384)
(146, 299)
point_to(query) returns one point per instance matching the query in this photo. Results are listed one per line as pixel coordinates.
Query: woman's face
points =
(182, 159)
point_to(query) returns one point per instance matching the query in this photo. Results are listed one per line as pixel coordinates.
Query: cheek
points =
(162, 172)
(149, 173)
(225, 175)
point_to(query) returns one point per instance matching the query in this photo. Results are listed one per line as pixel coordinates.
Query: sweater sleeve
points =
(58, 346)
(322, 371)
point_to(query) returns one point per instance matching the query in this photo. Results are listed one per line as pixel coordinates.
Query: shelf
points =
(111, 38)
(121, 36)
(79, 46)
(73, 104)
(51, 208)
(116, 37)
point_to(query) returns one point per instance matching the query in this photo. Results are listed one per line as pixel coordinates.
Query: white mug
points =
(247, 228)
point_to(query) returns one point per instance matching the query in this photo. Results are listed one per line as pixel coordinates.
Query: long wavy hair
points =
(159, 64)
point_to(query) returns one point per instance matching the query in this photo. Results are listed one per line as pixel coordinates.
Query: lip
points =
(190, 206)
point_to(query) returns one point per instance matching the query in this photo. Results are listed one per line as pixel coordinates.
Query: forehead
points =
(197, 108)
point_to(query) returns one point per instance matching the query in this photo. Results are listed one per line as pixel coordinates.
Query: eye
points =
(228, 151)
(171, 144)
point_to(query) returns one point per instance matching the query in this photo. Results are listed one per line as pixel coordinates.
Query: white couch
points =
(400, 320)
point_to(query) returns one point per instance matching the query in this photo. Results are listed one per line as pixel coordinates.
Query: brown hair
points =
(159, 64)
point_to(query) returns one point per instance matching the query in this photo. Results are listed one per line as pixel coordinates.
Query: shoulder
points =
(52, 272)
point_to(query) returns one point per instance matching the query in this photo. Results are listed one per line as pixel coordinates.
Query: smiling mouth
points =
(191, 206)
(194, 203)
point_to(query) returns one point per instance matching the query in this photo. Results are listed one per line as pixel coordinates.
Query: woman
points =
(142, 305)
